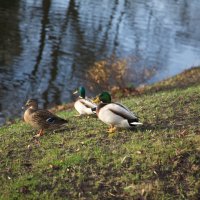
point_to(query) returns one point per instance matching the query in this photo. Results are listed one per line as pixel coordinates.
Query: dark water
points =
(47, 46)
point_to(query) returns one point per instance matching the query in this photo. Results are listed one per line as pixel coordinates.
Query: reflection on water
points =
(47, 46)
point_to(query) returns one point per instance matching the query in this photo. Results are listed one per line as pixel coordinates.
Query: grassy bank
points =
(159, 160)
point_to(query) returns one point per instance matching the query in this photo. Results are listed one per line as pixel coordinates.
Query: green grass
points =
(159, 160)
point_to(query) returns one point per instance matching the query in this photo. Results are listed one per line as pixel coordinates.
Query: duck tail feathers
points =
(94, 110)
(135, 123)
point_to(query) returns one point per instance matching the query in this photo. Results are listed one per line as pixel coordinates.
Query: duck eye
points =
(50, 120)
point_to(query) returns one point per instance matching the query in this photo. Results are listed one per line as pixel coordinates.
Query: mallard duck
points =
(41, 119)
(84, 105)
(114, 114)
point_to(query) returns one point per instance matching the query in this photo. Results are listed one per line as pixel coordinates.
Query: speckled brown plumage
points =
(41, 119)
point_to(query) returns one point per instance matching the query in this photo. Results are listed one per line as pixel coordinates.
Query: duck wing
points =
(46, 119)
(88, 103)
(122, 111)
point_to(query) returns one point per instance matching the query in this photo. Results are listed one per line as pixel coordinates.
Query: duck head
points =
(31, 103)
(104, 97)
(80, 91)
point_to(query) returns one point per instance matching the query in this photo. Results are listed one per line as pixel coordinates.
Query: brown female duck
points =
(41, 119)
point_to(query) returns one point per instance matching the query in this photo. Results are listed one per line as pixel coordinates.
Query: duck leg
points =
(39, 133)
(111, 129)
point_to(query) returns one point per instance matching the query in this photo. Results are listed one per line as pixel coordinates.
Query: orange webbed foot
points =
(39, 134)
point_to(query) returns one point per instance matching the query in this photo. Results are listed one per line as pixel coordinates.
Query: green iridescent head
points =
(80, 91)
(104, 97)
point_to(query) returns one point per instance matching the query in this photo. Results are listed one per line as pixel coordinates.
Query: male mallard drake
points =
(41, 119)
(84, 105)
(114, 114)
